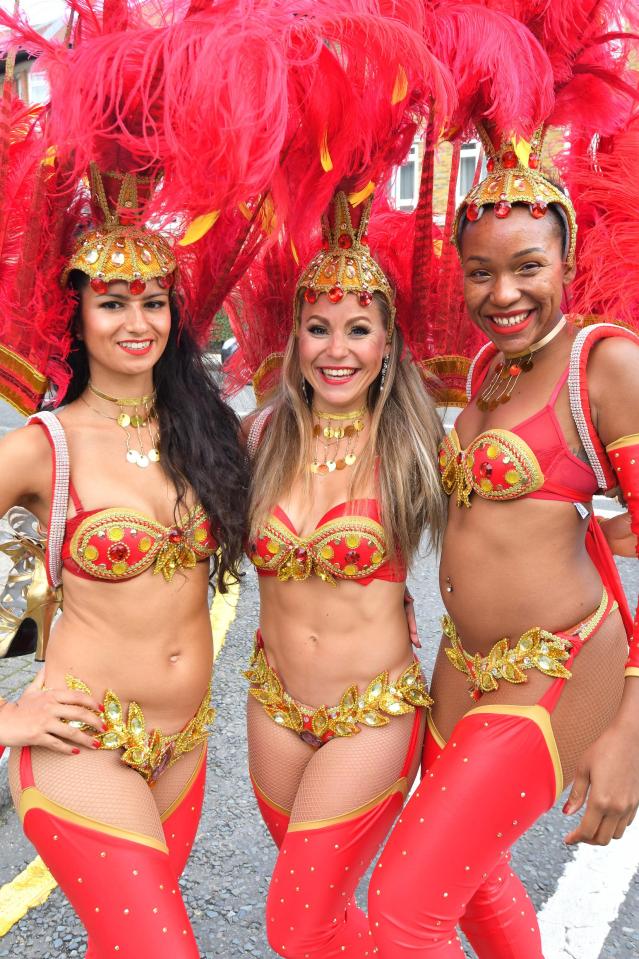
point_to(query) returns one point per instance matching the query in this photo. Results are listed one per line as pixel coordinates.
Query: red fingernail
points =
(104, 727)
(96, 743)
(101, 708)
(75, 751)
(567, 808)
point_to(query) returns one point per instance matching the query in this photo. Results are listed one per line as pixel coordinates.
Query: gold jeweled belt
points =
(149, 753)
(535, 649)
(381, 700)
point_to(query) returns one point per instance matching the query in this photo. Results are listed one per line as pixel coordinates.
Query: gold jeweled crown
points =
(344, 264)
(511, 180)
(121, 249)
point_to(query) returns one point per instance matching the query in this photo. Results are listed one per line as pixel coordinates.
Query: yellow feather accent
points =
(401, 86)
(356, 198)
(198, 228)
(245, 210)
(522, 149)
(325, 157)
(295, 254)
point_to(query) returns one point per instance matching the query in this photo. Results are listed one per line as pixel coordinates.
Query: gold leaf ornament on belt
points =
(149, 753)
(535, 649)
(381, 700)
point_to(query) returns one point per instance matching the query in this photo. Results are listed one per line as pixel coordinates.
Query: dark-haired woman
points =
(529, 684)
(140, 481)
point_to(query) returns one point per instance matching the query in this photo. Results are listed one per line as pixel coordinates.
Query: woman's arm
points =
(621, 540)
(35, 719)
(607, 778)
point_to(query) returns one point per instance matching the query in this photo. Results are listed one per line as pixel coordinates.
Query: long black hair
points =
(199, 435)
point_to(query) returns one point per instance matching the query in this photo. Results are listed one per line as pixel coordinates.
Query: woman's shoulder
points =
(25, 455)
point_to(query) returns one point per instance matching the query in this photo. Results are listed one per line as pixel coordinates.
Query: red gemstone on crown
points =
(533, 161)
(472, 212)
(364, 239)
(344, 241)
(166, 282)
(509, 160)
(335, 294)
(137, 286)
(365, 297)
(99, 286)
(490, 165)
(539, 209)
(311, 296)
(176, 535)
(502, 209)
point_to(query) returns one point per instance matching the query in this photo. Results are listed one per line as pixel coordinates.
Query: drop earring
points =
(384, 371)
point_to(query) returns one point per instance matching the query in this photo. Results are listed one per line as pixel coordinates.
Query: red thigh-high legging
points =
(123, 885)
(446, 863)
(310, 911)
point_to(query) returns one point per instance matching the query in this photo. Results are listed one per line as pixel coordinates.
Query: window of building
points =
(38, 88)
(469, 156)
(405, 184)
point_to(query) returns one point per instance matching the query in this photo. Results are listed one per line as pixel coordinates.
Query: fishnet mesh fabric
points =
(96, 784)
(587, 704)
(331, 781)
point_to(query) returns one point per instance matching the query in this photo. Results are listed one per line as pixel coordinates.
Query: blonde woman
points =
(345, 484)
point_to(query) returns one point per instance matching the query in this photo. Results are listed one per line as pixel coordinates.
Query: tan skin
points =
(140, 637)
(534, 569)
(318, 638)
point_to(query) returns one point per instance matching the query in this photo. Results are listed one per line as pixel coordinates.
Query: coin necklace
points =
(140, 419)
(329, 432)
(506, 374)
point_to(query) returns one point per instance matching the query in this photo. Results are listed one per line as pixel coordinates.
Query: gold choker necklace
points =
(506, 374)
(346, 430)
(140, 419)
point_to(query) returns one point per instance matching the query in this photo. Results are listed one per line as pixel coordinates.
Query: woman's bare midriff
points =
(321, 639)
(145, 639)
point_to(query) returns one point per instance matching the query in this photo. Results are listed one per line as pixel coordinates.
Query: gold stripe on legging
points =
(632, 671)
(178, 801)
(434, 731)
(32, 798)
(400, 786)
(267, 799)
(541, 717)
(631, 440)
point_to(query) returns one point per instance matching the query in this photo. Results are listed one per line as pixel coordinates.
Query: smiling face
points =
(124, 334)
(514, 276)
(341, 349)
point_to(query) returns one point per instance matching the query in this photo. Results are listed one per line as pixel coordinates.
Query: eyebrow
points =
(526, 252)
(323, 319)
(125, 296)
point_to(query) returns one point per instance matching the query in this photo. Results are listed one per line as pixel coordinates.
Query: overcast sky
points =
(38, 11)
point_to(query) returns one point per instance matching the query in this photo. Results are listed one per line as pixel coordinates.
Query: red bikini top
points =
(531, 459)
(344, 545)
(114, 544)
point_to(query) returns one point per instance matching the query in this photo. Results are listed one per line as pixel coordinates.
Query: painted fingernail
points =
(75, 751)
(104, 727)
(101, 707)
(96, 743)
(567, 808)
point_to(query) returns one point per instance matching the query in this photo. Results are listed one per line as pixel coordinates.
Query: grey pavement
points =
(226, 879)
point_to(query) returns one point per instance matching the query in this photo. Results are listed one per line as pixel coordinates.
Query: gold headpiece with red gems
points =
(514, 180)
(344, 264)
(119, 248)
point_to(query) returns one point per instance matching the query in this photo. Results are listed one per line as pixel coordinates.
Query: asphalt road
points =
(226, 880)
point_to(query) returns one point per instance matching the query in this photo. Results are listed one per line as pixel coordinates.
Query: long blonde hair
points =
(401, 452)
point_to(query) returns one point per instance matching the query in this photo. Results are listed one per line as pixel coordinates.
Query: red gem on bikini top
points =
(498, 465)
(118, 544)
(341, 547)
